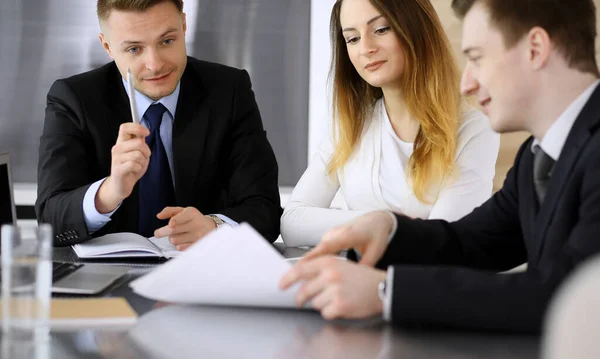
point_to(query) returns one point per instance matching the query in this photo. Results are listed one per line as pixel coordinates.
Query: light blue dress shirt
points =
(96, 220)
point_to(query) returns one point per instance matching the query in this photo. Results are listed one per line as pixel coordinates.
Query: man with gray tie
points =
(199, 158)
(532, 66)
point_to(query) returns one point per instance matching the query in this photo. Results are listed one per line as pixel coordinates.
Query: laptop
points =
(69, 278)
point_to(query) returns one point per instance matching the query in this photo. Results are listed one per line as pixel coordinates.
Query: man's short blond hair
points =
(104, 7)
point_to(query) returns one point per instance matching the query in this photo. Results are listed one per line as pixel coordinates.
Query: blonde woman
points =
(404, 139)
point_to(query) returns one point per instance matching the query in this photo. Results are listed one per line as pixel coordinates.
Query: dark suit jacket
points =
(223, 162)
(459, 287)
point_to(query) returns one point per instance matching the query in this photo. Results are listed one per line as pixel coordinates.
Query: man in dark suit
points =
(530, 70)
(199, 158)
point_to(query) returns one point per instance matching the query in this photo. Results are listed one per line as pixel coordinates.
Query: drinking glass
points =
(26, 282)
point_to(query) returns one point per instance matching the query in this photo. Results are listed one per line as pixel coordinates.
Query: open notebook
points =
(124, 245)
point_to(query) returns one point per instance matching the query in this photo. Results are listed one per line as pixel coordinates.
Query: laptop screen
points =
(6, 202)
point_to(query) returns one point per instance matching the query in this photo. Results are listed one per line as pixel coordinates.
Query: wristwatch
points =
(382, 290)
(218, 221)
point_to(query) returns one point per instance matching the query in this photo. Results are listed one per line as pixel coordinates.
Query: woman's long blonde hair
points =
(430, 85)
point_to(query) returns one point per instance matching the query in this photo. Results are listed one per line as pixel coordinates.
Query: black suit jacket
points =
(223, 162)
(445, 273)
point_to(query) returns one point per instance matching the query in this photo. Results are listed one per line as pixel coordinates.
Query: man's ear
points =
(105, 44)
(184, 23)
(539, 47)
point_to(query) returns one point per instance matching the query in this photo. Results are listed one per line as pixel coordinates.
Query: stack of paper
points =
(230, 266)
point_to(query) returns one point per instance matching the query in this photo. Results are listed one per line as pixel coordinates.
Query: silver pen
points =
(132, 103)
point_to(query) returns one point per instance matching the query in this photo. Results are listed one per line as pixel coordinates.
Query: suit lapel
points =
(578, 137)
(189, 133)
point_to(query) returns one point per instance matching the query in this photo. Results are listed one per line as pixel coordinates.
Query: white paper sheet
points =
(230, 266)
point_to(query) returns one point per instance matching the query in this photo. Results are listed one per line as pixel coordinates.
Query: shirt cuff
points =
(227, 220)
(387, 303)
(94, 219)
(394, 225)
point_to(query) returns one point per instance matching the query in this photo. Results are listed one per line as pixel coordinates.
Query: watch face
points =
(216, 219)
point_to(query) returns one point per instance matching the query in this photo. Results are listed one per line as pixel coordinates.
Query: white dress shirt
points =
(554, 140)
(374, 178)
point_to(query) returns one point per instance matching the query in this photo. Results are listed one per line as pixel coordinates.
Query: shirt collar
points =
(554, 140)
(143, 101)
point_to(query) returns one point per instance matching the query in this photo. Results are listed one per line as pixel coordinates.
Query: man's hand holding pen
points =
(130, 157)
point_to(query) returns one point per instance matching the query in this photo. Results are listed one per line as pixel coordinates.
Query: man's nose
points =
(154, 61)
(468, 83)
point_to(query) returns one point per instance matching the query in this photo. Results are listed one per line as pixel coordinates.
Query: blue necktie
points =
(156, 186)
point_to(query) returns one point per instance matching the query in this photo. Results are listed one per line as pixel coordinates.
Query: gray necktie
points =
(542, 171)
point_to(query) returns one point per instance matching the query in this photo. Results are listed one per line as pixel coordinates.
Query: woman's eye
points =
(382, 30)
(352, 40)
